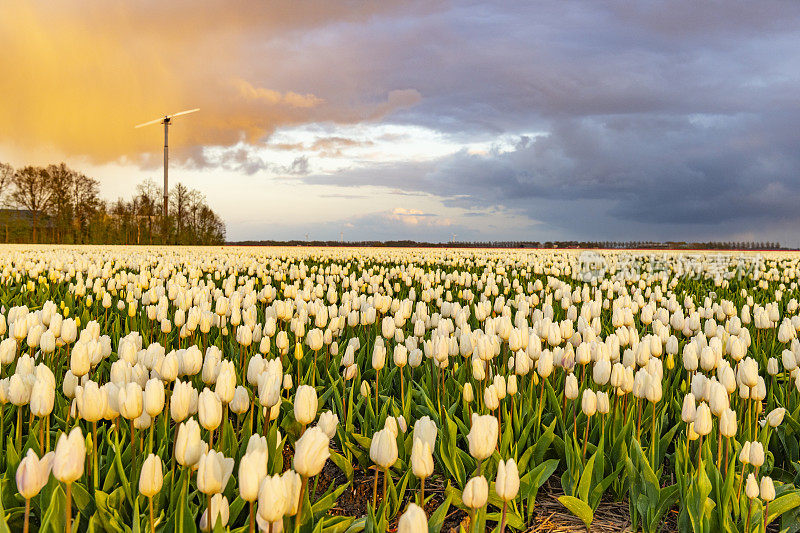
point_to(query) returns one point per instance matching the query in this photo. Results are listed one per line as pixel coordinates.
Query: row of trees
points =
(57, 204)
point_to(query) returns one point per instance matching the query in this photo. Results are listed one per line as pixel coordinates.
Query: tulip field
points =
(336, 390)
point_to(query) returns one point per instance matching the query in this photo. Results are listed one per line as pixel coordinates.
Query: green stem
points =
(152, 522)
(27, 515)
(68, 510)
(299, 518)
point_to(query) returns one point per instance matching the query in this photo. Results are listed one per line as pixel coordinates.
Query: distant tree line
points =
(647, 245)
(56, 204)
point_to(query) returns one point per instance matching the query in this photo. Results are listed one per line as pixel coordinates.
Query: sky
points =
(428, 120)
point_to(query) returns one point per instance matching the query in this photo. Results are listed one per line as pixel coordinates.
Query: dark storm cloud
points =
(656, 118)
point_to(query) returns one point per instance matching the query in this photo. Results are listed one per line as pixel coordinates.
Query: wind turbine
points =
(166, 121)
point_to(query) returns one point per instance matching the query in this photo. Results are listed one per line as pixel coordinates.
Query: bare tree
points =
(61, 206)
(150, 198)
(32, 192)
(84, 201)
(179, 198)
(6, 179)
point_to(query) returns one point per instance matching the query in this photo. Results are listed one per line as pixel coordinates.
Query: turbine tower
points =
(166, 121)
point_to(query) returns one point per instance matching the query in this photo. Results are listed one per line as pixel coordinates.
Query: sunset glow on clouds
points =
(394, 120)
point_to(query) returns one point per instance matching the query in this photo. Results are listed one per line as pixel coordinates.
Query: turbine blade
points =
(185, 112)
(148, 123)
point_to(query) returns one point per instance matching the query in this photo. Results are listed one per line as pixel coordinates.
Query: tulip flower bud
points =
(425, 429)
(413, 520)
(421, 459)
(589, 403)
(42, 398)
(383, 448)
(789, 361)
(298, 351)
(69, 457)
(571, 387)
(291, 485)
(225, 386)
(188, 445)
(759, 392)
(328, 422)
(767, 491)
(603, 405)
(478, 370)
(272, 500)
(257, 448)
(47, 342)
(400, 355)
(33, 473)
(748, 372)
(154, 397)
(490, 398)
(142, 421)
(702, 420)
(378, 355)
(254, 368)
(756, 453)
(365, 389)
(8, 351)
(775, 417)
(476, 492)
(151, 478)
(387, 327)
(91, 400)
(269, 384)
(214, 471)
(751, 488)
(311, 451)
(79, 362)
(391, 424)
(305, 404)
(507, 482)
(249, 478)
(744, 453)
(691, 434)
(180, 400)
(772, 366)
(500, 386)
(482, 437)
(511, 386)
(467, 393)
(220, 513)
(727, 423)
(718, 400)
(209, 409)
(130, 401)
(241, 401)
(601, 372)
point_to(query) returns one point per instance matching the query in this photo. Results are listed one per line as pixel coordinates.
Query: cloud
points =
(415, 217)
(77, 76)
(271, 97)
(587, 119)
(385, 225)
(655, 175)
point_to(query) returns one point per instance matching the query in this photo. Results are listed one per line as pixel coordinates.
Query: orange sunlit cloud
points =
(77, 80)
